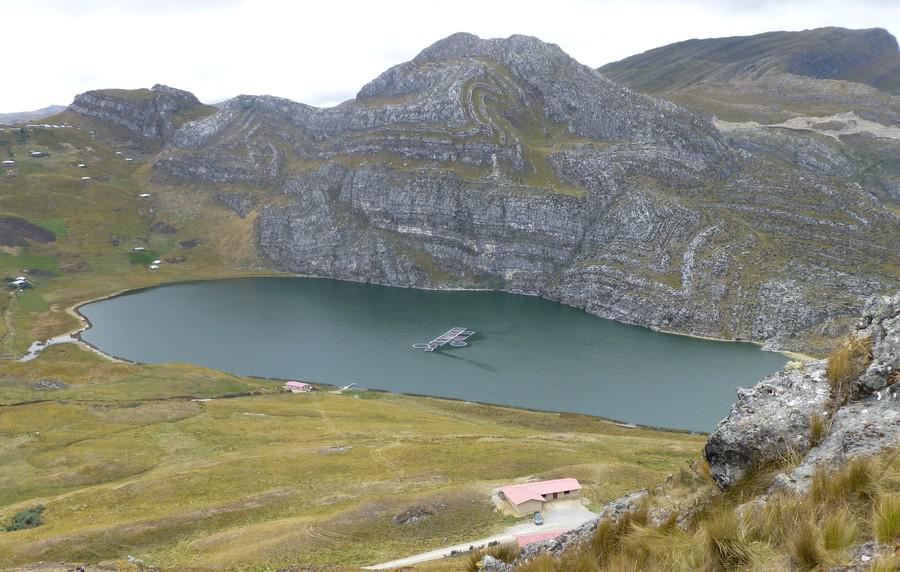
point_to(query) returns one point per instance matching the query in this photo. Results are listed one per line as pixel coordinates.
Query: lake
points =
(528, 352)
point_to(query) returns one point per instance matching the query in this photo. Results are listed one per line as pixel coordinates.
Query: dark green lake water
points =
(528, 352)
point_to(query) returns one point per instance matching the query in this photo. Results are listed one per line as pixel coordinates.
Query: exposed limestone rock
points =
(768, 421)
(881, 324)
(154, 113)
(771, 419)
(240, 202)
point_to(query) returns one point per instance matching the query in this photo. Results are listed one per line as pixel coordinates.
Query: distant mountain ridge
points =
(23, 116)
(506, 164)
(869, 57)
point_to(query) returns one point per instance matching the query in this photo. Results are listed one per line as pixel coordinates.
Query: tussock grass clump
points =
(887, 518)
(806, 548)
(607, 537)
(726, 544)
(580, 560)
(856, 482)
(886, 564)
(845, 365)
(780, 517)
(28, 518)
(507, 552)
(818, 427)
(839, 531)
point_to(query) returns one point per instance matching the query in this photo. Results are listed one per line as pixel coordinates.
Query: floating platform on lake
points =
(455, 337)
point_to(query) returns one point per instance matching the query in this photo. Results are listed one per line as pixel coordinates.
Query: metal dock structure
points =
(456, 337)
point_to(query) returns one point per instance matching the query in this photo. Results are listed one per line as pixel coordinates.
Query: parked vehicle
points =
(538, 519)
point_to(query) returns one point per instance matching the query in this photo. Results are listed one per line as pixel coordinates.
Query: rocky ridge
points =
(155, 113)
(506, 164)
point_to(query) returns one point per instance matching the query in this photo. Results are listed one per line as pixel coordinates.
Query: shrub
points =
(839, 530)
(28, 518)
(805, 548)
(887, 518)
(726, 545)
(845, 365)
(818, 426)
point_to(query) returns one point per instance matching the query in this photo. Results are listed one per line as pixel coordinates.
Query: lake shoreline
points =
(75, 309)
(252, 329)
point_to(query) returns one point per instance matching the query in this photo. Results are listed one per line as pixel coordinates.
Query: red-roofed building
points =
(530, 497)
(297, 387)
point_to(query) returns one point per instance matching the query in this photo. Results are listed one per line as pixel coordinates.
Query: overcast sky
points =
(321, 53)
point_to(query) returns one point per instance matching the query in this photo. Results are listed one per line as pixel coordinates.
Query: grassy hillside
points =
(126, 461)
(98, 223)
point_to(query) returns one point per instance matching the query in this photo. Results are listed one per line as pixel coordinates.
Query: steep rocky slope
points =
(827, 99)
(506, 164)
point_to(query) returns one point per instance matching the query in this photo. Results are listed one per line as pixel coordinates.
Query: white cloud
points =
(324, 52)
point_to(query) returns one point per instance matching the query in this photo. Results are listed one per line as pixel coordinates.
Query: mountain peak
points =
(465, 45)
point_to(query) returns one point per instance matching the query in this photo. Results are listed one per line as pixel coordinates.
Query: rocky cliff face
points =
(506, 164)
(772, 419)
(153, 113)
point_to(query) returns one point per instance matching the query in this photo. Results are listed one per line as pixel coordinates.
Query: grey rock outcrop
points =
(768, 421)
(153, 113)
(772, 419)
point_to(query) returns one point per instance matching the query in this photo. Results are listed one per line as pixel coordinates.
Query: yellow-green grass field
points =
(126, 462)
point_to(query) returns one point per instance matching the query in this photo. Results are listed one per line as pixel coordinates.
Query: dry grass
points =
(845, 365)
(857, 503)
(806, 548)
(839, 530)
(726, 543)
(855, 483)
(886, 564)
(506, 552)
(887, 518)
(818, 428)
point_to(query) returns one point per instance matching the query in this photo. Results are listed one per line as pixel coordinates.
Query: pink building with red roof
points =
(297, 387)
(530, 497)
